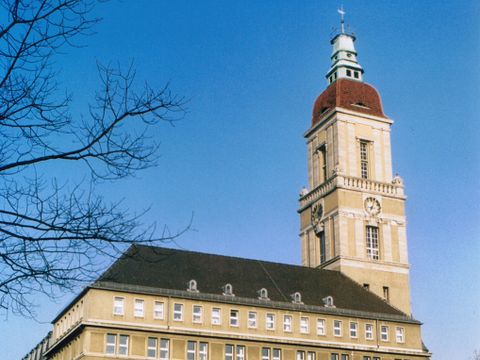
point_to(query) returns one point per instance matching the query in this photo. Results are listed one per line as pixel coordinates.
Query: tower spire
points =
(342, 18)
(344, 56)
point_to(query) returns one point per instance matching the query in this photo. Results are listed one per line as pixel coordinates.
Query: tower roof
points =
(344, 56)
(351, 95)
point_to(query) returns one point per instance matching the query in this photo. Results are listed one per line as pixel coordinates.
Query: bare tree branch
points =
(54, 237)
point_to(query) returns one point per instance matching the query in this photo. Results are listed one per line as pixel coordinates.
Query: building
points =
(349, 301)
(353, 216)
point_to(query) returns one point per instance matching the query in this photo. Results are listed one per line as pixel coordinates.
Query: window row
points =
(270, 320)
(138, 308)
(118, 344)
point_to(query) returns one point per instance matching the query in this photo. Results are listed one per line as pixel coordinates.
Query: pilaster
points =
(387, 241)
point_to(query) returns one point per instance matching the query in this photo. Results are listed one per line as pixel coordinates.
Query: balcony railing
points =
(352, 183)
(371, 185)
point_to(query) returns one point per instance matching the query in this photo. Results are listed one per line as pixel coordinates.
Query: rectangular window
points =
(323, 254)
(164, 349)
(300, 355)
(152, 347)
(372, 242)
(311, 355)
(138, 308)
(203, 351)
(386, 293)
(321, 327)
(265, 353)
(344, 357)
(197, 314)
(158, 310)
(123, 345)
(287, 323)
(191, 350)
(111, 343)
(252, 319)
(400, 335)
(177, 312)
(355, 74)
(277, 354)
(304, 322)
(333, 356)
(337, 328)
(364, 159)
(367, 358)
(366, 287)
(369, 331)
(353, 330)
(216, 316)
(384, 333)
(270, 321)
(240, 352)
(118, 305)
(233, 317)
(228, 352)
(376, 358)
(349, 73)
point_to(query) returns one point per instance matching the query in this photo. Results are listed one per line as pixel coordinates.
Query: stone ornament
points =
(372, 206)
(317, 213)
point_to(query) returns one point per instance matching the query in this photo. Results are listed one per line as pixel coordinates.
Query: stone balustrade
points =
(352, 183)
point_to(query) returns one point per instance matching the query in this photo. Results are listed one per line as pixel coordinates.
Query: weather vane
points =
(342, 16)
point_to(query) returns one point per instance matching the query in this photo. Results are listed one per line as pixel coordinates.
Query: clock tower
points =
(352, 214)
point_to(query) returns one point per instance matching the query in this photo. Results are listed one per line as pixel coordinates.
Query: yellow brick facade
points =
(86, 338)
(336, 183)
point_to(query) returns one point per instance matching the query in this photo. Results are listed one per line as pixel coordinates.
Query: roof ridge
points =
(231, 257)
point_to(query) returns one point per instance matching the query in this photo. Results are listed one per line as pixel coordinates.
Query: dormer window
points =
(361, 104)
(192, 286)
(328, 301)
(263, 294)
(296, 298)
(228, 290)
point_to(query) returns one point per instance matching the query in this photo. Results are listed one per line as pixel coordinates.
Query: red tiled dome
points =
(350, 95)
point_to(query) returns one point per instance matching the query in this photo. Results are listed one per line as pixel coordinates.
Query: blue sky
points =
(251, 71)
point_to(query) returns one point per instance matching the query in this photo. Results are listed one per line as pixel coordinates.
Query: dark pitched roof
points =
(164, 268)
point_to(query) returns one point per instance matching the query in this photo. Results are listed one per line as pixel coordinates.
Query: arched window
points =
(296, 298)
(192, 286)
(328, 301)
(228, 290)
(263, 294)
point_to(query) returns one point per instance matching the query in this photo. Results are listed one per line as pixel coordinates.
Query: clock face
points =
(372, 206)
(317, 213)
